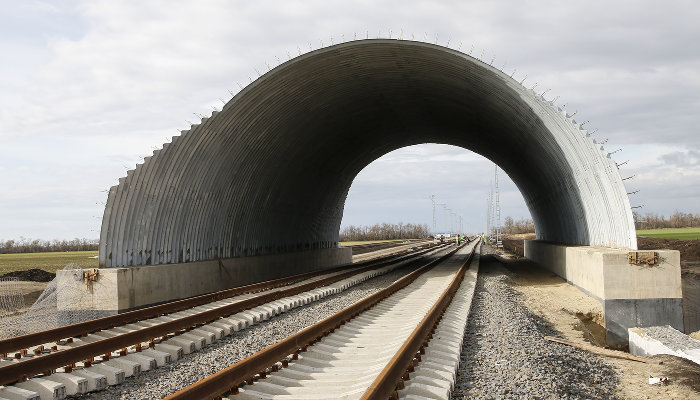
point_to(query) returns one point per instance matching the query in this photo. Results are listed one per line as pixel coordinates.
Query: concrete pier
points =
(116, 290)
(632, 295)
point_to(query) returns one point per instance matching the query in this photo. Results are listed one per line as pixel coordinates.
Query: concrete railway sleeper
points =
(371, 349)
(22, 343)
(108, 356)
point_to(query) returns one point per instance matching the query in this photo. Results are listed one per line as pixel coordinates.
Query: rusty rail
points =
(391, 377)
(22, 370)
(366, 248)
(230, 378)
(39, 338)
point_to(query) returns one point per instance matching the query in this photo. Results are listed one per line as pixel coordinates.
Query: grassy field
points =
(679, 233)
(47, 261)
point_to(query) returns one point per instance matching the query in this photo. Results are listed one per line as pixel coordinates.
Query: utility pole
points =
(449, 217)
(444, 205)
(499, 243)
(488, 215)
(490, 231)
(432, 198)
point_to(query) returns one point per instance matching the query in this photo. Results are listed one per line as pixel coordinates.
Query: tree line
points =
(385, 231)
(27, 245)
(678, 219)
(512, 227)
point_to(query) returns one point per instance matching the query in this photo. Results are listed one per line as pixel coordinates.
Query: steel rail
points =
(391, 377)
(231, 377)
(22, 370)
(38, 338)
(366, 248)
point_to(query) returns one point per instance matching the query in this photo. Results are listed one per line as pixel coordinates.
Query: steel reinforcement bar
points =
(228, 380)
(45, 364)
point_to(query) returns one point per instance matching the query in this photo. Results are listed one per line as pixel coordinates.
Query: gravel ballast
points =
(672, 338)
(505, 355)
(164, 381)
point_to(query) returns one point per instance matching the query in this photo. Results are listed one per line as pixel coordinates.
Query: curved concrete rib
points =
(271, 171)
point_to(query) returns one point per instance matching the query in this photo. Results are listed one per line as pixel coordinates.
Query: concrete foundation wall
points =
(622, 314)
(631, 295)
(122, 289)
(691, 303)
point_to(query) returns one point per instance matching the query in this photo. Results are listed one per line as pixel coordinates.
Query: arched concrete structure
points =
(271, 171)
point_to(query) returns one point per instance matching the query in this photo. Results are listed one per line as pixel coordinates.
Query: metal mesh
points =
(43, 313)
(11, 296)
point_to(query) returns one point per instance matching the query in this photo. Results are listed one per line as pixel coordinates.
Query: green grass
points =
(47, 261)
(677, 233)
(345, 244)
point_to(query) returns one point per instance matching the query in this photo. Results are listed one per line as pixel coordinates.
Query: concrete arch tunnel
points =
(269, 173)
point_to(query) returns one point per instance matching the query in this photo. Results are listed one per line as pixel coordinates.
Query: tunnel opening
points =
(396, 188)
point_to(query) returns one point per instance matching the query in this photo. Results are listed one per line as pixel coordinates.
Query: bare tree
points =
(384, 231)
(27, 245)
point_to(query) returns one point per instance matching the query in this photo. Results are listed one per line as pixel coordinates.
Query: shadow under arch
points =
(271, 171)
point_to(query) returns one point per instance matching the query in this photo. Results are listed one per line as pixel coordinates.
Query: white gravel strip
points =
(671, 338)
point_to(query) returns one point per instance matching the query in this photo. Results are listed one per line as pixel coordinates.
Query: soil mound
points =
(33, 275)
(690, 249)
(515, 246)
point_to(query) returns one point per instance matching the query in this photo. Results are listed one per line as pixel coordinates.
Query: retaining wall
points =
(122, 289)
(631, 295)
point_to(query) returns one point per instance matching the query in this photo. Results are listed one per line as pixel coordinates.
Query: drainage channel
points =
(405, 338)
(77, 365)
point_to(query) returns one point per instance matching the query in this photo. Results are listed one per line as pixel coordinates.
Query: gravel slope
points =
(505, 355)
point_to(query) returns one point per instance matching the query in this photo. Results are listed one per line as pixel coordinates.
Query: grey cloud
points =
(689, 158)
(123, 76)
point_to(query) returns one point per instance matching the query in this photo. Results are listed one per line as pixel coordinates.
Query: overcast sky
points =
(88, 88)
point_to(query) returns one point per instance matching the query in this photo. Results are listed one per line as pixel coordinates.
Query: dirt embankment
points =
(690, 252)
(31, 275)
(514, 243)
(689, 249)
(690, 270)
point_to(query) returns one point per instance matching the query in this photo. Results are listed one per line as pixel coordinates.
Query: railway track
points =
(404, 340)
(371, 247)
(88, 356)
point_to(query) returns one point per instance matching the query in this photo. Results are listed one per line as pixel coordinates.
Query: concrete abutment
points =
(632, 295)
(118, 290)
